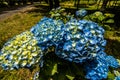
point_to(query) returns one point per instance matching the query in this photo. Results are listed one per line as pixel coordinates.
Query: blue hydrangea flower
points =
(112, 62)
(81, 13)
(48, 32)
(82, 40)
(117, 78)
(97, 69)
(117, 75)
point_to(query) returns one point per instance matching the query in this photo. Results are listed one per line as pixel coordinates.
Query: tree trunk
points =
(75, 3)
(56, 3)
(78, 1)
(24, 2)
(51, 4)
(104, 5)
(11, 2)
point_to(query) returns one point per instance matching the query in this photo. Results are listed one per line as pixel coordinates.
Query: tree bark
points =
(75, 2)
(56, 3)
(78, 2)
(51, 4)
(104, 5)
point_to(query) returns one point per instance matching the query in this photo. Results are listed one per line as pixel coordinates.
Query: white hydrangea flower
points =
(20, 51)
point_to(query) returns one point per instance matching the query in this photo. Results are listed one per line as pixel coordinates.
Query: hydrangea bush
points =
(76, 41)
(103, 19)
(60, 14)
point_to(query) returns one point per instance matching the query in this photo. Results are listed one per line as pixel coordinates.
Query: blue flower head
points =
(81, 13)
(97, 69)
(112, 62)
(81, 41)
(117, 75)
(117, 78)
(48, 32)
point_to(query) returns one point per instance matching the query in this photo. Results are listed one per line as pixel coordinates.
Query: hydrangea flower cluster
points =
(98, 68)
(36, 76)
(117, 78)
(82, 40)
(81, 13)
(48, 32)
(60, 14)
(117, 74)
(20, 51)
(78, 41)
(57, 13)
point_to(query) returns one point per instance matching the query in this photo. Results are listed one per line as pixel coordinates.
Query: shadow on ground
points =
(43, 9)
(113, 48)
(3, 10)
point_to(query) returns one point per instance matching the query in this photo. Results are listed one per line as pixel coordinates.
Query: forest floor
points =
(7, 13)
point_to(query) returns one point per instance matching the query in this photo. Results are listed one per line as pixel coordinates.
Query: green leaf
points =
(109, 15)
(107, 27)
(110, 76)
(101, 18)
(87, 17)
(109, 21)
(54, 69)
(118, 61)
(70, 77)
(60, 76)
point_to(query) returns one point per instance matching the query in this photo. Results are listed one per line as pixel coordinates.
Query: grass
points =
(16, 24)
(20, 22)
